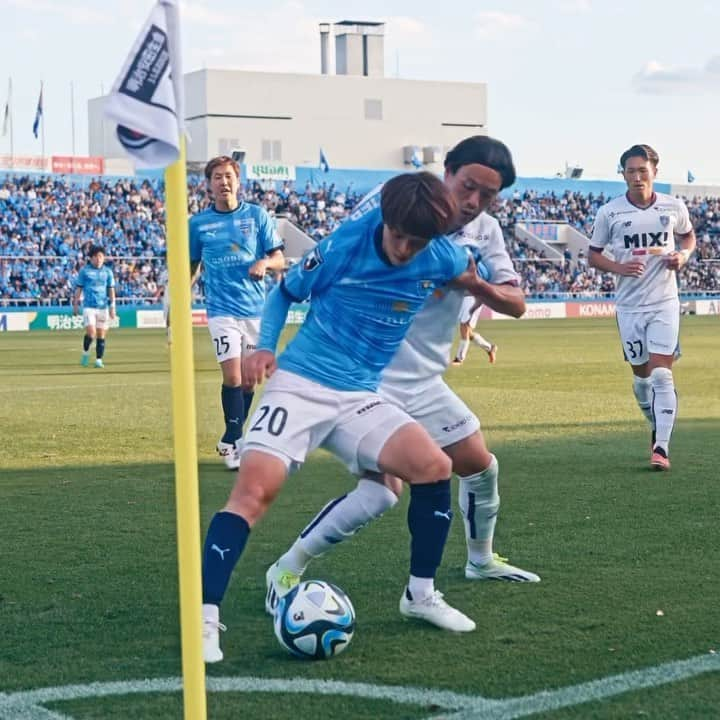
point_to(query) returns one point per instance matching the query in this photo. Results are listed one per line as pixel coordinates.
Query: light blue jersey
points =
(95, 283)
(361, 305)
(228, 244)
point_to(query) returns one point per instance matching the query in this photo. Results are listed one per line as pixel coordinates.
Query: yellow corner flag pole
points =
(184, 434)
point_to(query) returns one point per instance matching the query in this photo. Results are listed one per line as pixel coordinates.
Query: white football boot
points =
(211, 633)
(279, 582)
(230, 454)
(498, 569)
(433, 609)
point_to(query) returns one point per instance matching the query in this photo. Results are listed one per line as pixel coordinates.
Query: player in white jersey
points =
(475, 172)
(650, 238)
(163, 294)
(469, 316)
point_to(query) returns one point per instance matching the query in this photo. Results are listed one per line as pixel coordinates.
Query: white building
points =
(359, 117)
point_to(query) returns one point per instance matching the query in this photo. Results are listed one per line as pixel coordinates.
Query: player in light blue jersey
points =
(95, 284)
(235, 244)
(476, 169)
(366, 282)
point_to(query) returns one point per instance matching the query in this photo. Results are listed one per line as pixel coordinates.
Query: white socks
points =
(339, 519)
(462, 350)
(642, 389)
(481, 342)
(479, 502)
(664, 405)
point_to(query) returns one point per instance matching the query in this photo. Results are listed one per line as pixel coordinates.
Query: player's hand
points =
(76, 309)
(257, 269)
(112, 312)
(258, 366)
(675, 260)
(634, 268)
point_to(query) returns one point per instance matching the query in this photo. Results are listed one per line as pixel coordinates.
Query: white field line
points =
(27, 705)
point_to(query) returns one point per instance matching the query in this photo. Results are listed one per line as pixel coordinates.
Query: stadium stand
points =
(48, 222)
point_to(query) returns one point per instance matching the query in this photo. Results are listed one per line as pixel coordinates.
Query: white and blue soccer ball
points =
(315, 620)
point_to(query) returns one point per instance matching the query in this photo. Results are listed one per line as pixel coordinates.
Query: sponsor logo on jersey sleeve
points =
(312, 260)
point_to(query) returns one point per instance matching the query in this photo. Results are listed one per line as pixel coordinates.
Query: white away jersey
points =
(633, 233)
(425, 351)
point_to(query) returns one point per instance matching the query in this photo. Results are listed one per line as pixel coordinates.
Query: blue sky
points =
(568, 80)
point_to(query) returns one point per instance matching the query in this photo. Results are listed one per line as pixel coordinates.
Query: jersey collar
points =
(227, 212)
(653, 200)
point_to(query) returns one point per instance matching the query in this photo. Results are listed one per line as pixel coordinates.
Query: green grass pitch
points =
(88, 578)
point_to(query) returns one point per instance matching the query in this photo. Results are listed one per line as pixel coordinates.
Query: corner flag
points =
(38, 114)
(324, 165)
(146, 101)
(147, 104)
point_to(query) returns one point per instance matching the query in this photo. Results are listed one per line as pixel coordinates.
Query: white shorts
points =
(654, 331)
(297, 415)
(436, 407)
(95, 317)
(233, 337)
(466, 317)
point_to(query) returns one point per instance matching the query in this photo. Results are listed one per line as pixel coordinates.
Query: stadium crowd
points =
(47, 224)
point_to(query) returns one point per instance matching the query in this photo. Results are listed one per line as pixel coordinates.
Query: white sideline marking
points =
(27, 705)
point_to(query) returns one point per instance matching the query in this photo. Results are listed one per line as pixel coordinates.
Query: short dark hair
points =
(483, 150)
(418, 204)
(96, 250)
(642, 151)
(221, 160)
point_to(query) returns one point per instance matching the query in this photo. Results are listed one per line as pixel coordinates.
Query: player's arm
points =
(506, 298)
(685, 239)
(195, 253)
(275, 260)
(599, 241)
(77, 294)
(195, 270)
(111, 298)
(272, 245)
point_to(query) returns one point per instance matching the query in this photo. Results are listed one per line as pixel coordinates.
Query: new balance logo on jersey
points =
(658, 239)
(219, 551)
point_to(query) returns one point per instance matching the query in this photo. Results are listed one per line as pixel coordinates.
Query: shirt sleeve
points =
(80, 280)
(110, 279)
(314, 271)
(455, 258)
(601, 231)
(496, 259)
(269, 238)
(684, 226)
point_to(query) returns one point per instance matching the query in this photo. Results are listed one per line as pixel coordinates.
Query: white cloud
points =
(493, 22)
(658, 79)
(575, 7)
(73, 13)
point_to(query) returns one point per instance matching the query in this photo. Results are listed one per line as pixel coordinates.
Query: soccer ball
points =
(315, 620)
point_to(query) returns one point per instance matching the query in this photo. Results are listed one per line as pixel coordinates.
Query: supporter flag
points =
(691, 177)
(146, 101)
(38, 114)
(324, 165)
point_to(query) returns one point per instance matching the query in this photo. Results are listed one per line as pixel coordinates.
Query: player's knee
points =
(661, 376)
(436, 466)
